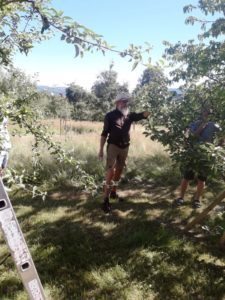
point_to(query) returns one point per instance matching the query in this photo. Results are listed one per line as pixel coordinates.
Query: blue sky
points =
(121, 22)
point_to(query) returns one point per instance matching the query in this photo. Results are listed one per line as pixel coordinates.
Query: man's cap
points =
(123, 97)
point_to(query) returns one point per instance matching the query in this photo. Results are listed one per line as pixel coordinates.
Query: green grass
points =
(134, 253)
(137, 252)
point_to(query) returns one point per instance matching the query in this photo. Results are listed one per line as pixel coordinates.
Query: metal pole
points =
(18, 248)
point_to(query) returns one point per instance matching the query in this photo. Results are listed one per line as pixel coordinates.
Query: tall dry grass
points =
(84, 138)
(85, 134)
(147, 159)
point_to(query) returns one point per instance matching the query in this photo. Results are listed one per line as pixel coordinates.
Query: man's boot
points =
(106, 206)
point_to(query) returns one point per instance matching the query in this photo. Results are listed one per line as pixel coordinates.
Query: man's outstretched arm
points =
(139, 116)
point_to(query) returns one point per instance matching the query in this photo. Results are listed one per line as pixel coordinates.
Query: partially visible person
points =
(204, 131)
(116, 131)
(5, 146)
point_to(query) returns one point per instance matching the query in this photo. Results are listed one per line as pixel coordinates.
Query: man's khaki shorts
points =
(116, 156)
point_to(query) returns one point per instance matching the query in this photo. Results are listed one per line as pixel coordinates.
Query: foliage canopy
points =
(199, 68)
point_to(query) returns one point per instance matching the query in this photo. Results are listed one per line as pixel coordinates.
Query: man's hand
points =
(199, 130)
(101, 154)
(146, 114)
(101, 148)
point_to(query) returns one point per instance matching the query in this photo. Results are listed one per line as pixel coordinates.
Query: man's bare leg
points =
(108, 181)
(198, 194)
(106, 206)
(117, 175)
(183, 187)
(200, 188)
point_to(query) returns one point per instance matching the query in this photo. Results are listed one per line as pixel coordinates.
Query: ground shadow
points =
(136, 236)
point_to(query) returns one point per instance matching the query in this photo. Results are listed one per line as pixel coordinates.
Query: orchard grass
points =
(80, 253)
(137, 252)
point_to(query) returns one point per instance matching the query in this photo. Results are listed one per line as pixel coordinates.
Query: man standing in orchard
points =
(116, 131)
(201, 131)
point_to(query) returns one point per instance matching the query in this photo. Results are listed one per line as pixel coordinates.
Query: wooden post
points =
(204, 213)
(60, 126)
(65, 126)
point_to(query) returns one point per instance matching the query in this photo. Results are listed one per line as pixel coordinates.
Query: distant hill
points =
(52, 89)
(62, 89)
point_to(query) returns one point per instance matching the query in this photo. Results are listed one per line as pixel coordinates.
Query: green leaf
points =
(134, 65)
(77, 50)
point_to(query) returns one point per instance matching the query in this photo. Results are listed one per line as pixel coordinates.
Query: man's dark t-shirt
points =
(117, 127)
